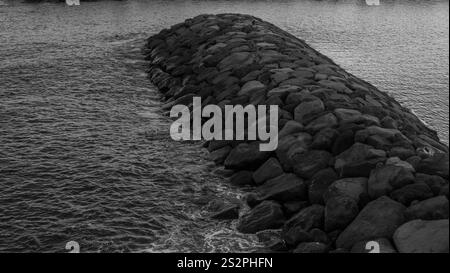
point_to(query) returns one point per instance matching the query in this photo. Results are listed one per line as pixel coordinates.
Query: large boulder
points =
(359, 160)
(246, 156)
(270, 169)
(305, 110)
(431, 209)
(290, 145)
(380, 218)
(420, 236)
(266, 215)
(285, 187)
(435, 182)
(385, 179)
(309, 163)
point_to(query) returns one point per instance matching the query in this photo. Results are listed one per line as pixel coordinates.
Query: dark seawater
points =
(85, 153)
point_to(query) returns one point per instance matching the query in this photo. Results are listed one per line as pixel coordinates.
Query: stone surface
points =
(354, 188)
(284, 188)
(266, 215)
(420, 236)
(270, 169)
(309, 163)
(385, 179)
(307, 219)
(359, 160)
(409, 193)
(319, 184)
(380, 218)
(339, 212)
(246, 156)
(311, 247)
(430, 209)
(242, 178)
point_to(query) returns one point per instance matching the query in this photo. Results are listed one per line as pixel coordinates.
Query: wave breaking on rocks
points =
(352, 165)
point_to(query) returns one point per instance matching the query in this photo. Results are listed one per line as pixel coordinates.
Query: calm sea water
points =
(85, 153)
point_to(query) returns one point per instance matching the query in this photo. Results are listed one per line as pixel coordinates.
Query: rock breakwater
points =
(352, 165)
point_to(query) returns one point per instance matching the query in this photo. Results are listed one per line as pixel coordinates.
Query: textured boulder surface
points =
(352, 164)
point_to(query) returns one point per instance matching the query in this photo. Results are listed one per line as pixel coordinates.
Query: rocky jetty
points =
(352, 165)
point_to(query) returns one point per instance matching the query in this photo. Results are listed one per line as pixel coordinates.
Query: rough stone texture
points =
(431, 209)
(420, 236)
(333, 125)
(266, 215)
(380, 218)
(339, 212)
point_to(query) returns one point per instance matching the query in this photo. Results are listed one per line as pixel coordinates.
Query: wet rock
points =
(319, 184)
(430, 209)
(401, 152)
(354, 188)
(359, 160)
(348, 115)
(234, 60)
(420, 236)
(385, 179)
(343, 142)
(311, 247)
(409, 193)
(382, 245)
(339, 212)
(266, 215)
(309, 163)
(242, 178)
(284, 188)
(380, 218)
(438, 164)
(283, 91)
(246, 156)
(270, 169)
(228, 213)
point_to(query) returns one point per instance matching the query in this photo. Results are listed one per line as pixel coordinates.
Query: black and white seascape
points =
(87, 161)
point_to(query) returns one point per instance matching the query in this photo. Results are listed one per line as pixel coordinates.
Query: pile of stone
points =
(352, 165)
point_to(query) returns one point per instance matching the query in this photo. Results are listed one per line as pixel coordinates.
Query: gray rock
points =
(290, 127)
(420, 236)
(319, 184)
(380, 218)
(353, 187)
(266, 215)
(251, 87)
(409, 193)
(296, 235)
(385, 179)
(340, 212)
(228, 213)
(242, 178)
(285, 187)
(307, 219)
(435, 182)
(270, 169)
(430, 209)
(438, 164)
(309, 163)
(325, 121)
(359, 160)
(246, 156)
(219, 155)
(305, 110)
(291, 145)
(324, 139)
